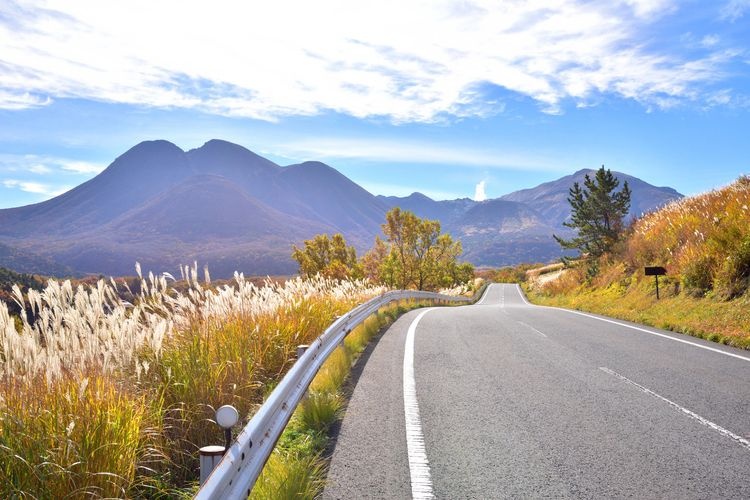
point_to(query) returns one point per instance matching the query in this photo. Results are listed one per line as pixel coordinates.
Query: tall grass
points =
(704, 242)
(155, 369)
(704, 239)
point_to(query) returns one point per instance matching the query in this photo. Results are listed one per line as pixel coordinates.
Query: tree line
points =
(413, 254)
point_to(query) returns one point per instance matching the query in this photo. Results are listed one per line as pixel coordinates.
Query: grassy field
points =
(105, 398)
(101, 398)
(704, 243)
(722, 321)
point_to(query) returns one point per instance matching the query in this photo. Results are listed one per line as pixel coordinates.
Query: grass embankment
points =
(104, 399)
(297, 467)
(703, 241)
(100, 398)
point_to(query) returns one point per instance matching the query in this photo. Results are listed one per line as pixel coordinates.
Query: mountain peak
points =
(152, 147)
(416, 195)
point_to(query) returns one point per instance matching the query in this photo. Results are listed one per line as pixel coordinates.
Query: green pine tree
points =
(597, 213)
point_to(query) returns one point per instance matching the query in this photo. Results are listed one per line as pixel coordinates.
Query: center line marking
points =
(721, 430)
(419, 466)
(531, 328)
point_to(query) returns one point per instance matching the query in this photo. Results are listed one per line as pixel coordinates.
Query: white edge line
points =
(642, 330)
(523, 295)
(721, 430)
(486, 292)
(419, 466)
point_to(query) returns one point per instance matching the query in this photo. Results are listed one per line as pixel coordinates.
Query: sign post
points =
(656, 271)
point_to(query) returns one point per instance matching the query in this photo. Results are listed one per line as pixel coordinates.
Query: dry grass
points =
(704, 242)
(704, 239)
(155, 369)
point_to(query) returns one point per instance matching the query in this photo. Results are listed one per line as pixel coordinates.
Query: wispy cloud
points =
(406, 151)
(734, 9)
(46, 165)
(416, 61)
(80, 167)
(47, 190)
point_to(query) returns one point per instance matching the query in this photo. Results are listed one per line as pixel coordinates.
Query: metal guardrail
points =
(235, 475)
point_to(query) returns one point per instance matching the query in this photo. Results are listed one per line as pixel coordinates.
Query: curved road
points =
(510, 400)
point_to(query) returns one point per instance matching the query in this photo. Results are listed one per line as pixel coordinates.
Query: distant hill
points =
(232, 209)
(24, 261)
(551, 198)
(518, 227)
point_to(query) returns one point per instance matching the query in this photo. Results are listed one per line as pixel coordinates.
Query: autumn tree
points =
(329, 257)
(597, 214)
(418, 255)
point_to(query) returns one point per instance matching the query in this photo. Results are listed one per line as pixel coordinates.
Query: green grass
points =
(727, 322)
(303, 442)
(297, 467)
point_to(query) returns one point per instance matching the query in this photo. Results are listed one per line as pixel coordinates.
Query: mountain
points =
(220, 204)
(446, 211)
(30, 263)
(551, 198)
(227, 207)
(518, 227)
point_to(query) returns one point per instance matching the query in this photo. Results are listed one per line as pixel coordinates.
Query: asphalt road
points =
(519, 401)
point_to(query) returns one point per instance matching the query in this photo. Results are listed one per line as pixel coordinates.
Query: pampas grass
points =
(101, 397)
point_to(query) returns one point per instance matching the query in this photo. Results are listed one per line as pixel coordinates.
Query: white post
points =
(210, 457)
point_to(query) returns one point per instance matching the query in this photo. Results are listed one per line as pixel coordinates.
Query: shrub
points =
(734, 276)
(697, 276)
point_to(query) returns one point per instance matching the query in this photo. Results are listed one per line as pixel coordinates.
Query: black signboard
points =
(655, 271)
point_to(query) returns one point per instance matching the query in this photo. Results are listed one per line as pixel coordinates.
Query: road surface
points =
(503, 399)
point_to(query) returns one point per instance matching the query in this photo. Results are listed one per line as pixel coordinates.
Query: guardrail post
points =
(210, 456)
(301, 350)
(226, 417)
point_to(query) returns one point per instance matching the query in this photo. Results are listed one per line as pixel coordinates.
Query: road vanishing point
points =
(503, 399)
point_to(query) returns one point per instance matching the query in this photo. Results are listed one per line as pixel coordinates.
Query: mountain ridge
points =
(232, 209)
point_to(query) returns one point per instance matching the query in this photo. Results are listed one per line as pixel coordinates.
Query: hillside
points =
(227, 207)
(703, 242)
(219, 204)
(551, 198)
(518, 226)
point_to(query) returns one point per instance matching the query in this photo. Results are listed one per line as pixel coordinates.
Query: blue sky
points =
(453, 99)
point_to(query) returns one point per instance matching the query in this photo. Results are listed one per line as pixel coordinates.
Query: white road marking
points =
(721, 430)
(531, 328)
(744, 358)
(523, 296)
(419, 466)
(486, 293)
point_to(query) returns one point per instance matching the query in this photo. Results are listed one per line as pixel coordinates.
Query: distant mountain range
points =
(227, 207)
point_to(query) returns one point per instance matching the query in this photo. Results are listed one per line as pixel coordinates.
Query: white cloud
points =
(35, 187)
(80, 167)
(734, 9)
(39, 169)
(479, 193)
(390, 150)
(709, 41)
(45, 165)
(418, 61)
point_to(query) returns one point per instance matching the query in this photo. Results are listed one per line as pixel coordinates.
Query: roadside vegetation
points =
(704, 243)
(108, 387)
(414, 255)
(103, 398)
